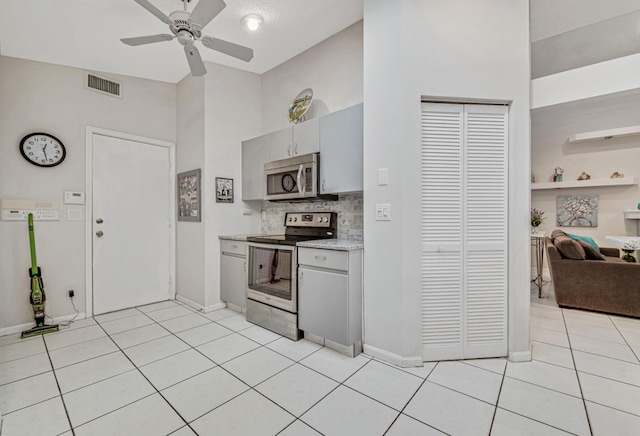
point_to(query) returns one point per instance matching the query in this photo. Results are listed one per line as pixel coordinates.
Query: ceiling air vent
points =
(102, 85)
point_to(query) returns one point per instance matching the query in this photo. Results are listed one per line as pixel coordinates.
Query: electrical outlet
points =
(71, 293)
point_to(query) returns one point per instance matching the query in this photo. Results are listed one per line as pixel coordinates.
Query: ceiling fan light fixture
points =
(252, 21)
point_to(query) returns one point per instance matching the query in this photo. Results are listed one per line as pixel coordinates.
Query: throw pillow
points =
(590, 252)
(569, 248)
(556, 233)
(586, 239)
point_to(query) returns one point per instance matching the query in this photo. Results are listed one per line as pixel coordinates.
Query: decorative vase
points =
(534, 229)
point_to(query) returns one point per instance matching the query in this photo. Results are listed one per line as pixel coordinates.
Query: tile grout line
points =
(148, 381)
(495, 409)
(584, 402)
(55, 377)
(409, 401)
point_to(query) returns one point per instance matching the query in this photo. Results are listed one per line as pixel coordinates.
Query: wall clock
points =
(42, 149)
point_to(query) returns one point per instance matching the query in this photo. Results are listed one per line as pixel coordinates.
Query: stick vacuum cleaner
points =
(37, 292)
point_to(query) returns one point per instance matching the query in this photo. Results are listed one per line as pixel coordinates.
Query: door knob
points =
(99, 221)
(99, 233)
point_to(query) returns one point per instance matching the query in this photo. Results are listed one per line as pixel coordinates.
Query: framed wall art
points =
(189, 199)
(224, 190)
(577, 211)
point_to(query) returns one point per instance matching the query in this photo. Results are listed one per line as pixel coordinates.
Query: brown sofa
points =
(610, 285)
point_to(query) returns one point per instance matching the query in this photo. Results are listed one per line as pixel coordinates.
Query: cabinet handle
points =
(244, 267)
(234, 246)
(295, 148)
(300, 277)
(289, 149)
(321, 258)
(323, 188)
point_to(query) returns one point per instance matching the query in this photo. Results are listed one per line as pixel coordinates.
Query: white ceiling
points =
(86, 33)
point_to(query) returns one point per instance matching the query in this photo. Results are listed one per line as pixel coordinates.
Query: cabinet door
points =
(306, 137)
(255, 153)
(323, 304)
(341, 151)
(233, 280)
(280, 144)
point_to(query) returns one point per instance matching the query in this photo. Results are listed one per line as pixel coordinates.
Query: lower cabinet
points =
(233, 272)
(330, 294)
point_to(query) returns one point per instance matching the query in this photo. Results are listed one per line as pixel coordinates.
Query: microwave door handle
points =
(301, 191)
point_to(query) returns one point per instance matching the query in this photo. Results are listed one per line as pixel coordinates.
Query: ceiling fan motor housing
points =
(182, 22)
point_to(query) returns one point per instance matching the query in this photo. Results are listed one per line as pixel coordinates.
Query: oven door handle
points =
(300, 191)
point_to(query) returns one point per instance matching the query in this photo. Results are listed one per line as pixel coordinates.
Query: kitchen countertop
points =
(333, 244)
(238, 237)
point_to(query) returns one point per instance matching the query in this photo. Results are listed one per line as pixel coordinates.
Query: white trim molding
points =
(520, 356)
(200, 307)
(395, 359)
(57, 320)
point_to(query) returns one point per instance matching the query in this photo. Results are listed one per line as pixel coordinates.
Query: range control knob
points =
(290, 219)
(295, 219)
(319, 219)
(325, 219)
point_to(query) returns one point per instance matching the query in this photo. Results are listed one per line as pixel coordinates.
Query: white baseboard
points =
(395, 359)
(22, 327)
(520, 356)
(200, 307)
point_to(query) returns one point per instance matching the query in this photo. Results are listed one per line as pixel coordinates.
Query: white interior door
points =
(131, 223)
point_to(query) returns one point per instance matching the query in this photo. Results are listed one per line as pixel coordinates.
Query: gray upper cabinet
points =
(341, 151)
(306, 137)
(296, 140)
(280, 144)
(255, 153)
(338, 138)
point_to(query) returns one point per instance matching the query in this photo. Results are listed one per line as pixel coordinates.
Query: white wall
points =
(332, 68)
(190, 236)
(50, 98)
(436, 48)
(551, 128)
(232, 113)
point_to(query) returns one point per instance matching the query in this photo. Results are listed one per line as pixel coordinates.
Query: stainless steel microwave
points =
(295, 178)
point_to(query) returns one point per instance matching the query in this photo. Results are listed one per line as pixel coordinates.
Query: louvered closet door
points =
(463, 231)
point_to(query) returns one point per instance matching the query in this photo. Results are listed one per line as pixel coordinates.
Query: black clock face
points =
(42, 149)
(288, 183)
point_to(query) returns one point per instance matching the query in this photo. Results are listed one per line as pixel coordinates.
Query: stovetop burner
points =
(301, 227)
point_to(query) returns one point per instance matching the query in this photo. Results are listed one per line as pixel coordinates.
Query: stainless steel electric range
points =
(272, 273)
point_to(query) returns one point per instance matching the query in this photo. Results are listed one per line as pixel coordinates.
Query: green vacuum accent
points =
(38, 296)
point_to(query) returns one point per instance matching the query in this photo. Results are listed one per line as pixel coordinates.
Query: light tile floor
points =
(165, 369)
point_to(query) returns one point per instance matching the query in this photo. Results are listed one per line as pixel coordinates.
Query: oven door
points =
(291, 178)
(272, 275)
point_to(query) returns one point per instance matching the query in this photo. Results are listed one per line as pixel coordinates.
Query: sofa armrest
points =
(610, 251)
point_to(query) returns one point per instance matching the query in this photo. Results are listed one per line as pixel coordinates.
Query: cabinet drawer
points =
(330, 259)
(233, 247)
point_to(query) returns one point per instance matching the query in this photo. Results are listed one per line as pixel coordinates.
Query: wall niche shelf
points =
(605, 134)
(585, 183)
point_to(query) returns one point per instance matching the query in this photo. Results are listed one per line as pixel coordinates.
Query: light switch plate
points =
(74, 214)
(383, 212)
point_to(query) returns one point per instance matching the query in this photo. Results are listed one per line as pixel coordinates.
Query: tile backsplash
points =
(348, 208)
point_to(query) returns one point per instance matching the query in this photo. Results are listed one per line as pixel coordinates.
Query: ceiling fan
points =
(187, 28)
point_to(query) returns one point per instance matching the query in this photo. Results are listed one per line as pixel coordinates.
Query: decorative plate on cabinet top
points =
(299, 105)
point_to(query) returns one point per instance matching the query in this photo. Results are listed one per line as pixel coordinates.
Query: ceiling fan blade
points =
(155, 11)
(206, 10)
(228, 48)
(140, 40)
(195, 61)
